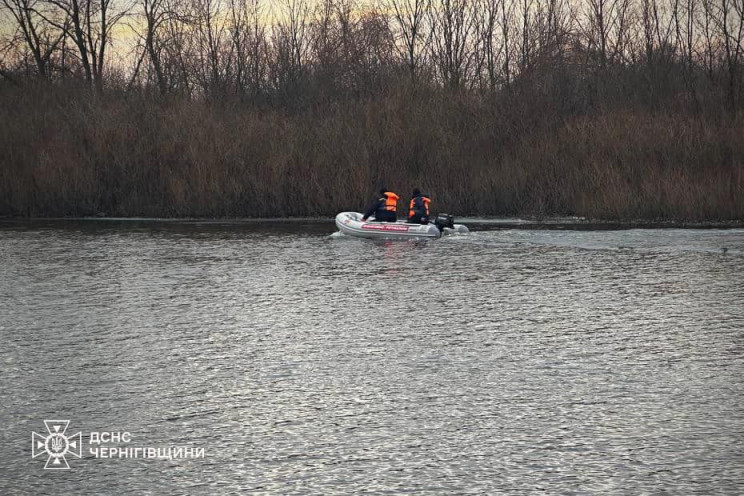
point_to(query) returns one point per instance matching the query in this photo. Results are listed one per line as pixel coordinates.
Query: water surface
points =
(505, 361)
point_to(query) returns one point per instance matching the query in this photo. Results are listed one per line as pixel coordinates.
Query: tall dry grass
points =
(70, 151)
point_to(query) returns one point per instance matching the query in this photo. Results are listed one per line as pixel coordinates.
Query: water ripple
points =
(507, 361)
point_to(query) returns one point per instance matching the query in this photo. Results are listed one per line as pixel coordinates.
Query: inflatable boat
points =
(351, 223)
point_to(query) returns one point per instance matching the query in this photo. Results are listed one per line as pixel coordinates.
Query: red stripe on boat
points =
(383, 227)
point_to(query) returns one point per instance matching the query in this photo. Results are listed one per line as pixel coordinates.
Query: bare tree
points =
(290, 43)
(156, 13)
(657, 29)
(487, 53)
(690, 38)
(88, 23)
(452, 25)
(709, 47)
(606, 31)
(378, 41)
(527, 41)
(507, 16)
(409, 17)
(249, 41)
(731, 23)
(213, 50)
(39, 36)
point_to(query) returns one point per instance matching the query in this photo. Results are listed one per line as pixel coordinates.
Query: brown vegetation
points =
(599, 108)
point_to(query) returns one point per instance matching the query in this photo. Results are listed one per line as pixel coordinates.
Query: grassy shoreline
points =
(478, 223)
(69, 153)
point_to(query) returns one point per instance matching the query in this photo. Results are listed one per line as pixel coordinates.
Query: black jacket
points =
(379, 211)
(377, 206)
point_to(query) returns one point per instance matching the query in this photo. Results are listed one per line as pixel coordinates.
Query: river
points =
(279, 358)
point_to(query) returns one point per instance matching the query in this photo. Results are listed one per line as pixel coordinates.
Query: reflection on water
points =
(303, 362)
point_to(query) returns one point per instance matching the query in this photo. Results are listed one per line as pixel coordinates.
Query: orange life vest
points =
(391, 201)
(412, 206)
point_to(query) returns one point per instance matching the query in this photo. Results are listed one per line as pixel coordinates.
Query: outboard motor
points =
(444, 220)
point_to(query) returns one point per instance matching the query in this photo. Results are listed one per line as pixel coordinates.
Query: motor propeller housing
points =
(444, 220)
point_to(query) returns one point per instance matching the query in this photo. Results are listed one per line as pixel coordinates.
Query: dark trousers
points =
(385, 216)
(418, 219)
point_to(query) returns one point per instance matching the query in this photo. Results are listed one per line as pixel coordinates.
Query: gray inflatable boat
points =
(351, 224)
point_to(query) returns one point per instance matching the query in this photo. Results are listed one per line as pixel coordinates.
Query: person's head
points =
(383, 191)
(416, 192)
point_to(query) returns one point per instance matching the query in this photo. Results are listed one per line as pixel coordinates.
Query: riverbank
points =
(326, 224)
(69, 153)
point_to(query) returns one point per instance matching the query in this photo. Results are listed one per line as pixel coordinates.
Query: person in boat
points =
(384, 208)
(418, 210)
